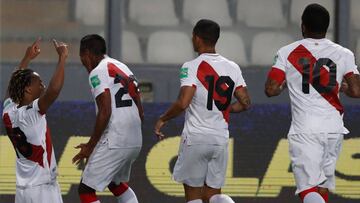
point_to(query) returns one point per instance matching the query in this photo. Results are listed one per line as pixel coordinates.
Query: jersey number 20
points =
(120, 93)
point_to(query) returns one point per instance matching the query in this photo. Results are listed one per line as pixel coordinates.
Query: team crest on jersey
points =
(184, 73)
(95, 81)
(275, 59)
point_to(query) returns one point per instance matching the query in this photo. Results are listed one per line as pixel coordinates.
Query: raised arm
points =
(31, 52)
(57, 80)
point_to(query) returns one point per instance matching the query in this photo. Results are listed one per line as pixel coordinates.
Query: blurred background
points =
(153, 37)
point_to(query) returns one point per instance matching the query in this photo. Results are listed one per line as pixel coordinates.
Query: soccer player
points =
(116, 139)
(25, 122)
(313, 69)
(208, 85)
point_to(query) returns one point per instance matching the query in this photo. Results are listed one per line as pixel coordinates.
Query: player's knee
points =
(83, 189)
(119, 189)
(220, 198)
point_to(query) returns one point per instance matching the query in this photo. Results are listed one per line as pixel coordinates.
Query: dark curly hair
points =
(19, 80)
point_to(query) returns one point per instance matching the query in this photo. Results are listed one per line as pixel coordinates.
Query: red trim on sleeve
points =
(277, 75)
(348, 74)
(238, 87)
(105, 90)
(194, 85)
(7, 121)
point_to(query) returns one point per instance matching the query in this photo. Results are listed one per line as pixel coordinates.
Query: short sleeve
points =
(350, 67)
(8, 103)
(277, 71)
(98, 81)
(279, 61)
(187, 75)
(240, 81)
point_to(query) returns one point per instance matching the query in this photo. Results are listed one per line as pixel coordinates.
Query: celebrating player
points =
(116, 140)
(208, 84)
(313, 69)
(26, 126)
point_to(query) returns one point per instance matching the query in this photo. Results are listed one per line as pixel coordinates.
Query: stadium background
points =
(153, 37)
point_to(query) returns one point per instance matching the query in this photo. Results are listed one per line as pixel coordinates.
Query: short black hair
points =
(316, 18)
(94, 43)
(19, 80)
(208, 31)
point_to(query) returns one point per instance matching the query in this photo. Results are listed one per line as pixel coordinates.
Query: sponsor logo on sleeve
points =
(95, 81)
(184, 73)
(6, 103)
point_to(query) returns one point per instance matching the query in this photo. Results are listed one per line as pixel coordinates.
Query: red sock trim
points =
(118, 190)
(325, 196)
(305, 192)
(88, 197)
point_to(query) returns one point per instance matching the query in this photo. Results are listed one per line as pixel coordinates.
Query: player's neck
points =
(95, 62)
(26, 101)
(315, 35)
(206, 50)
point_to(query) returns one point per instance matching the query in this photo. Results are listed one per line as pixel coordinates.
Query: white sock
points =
(220, 198)
(195, 201)
(313, 197)
(97, 201)
(127, 197)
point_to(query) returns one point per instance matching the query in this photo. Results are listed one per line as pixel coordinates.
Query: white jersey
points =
(30, 136)
(215, 79)
(314, 70)
(124, 127)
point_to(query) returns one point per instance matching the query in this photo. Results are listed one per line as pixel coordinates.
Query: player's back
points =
(215, 79)
(314, 71)
(124, 128)
(28, 132)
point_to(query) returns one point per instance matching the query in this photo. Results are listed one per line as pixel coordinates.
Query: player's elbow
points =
(182, 105)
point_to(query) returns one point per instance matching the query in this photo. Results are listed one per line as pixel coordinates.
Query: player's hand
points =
(33, 51)
(61, 48)
(159, 124)
(85, 151)
(344, 86)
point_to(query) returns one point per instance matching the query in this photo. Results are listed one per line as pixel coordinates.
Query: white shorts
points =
(199, 164)
(107, 165)
(44, 193)
(313, 159)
